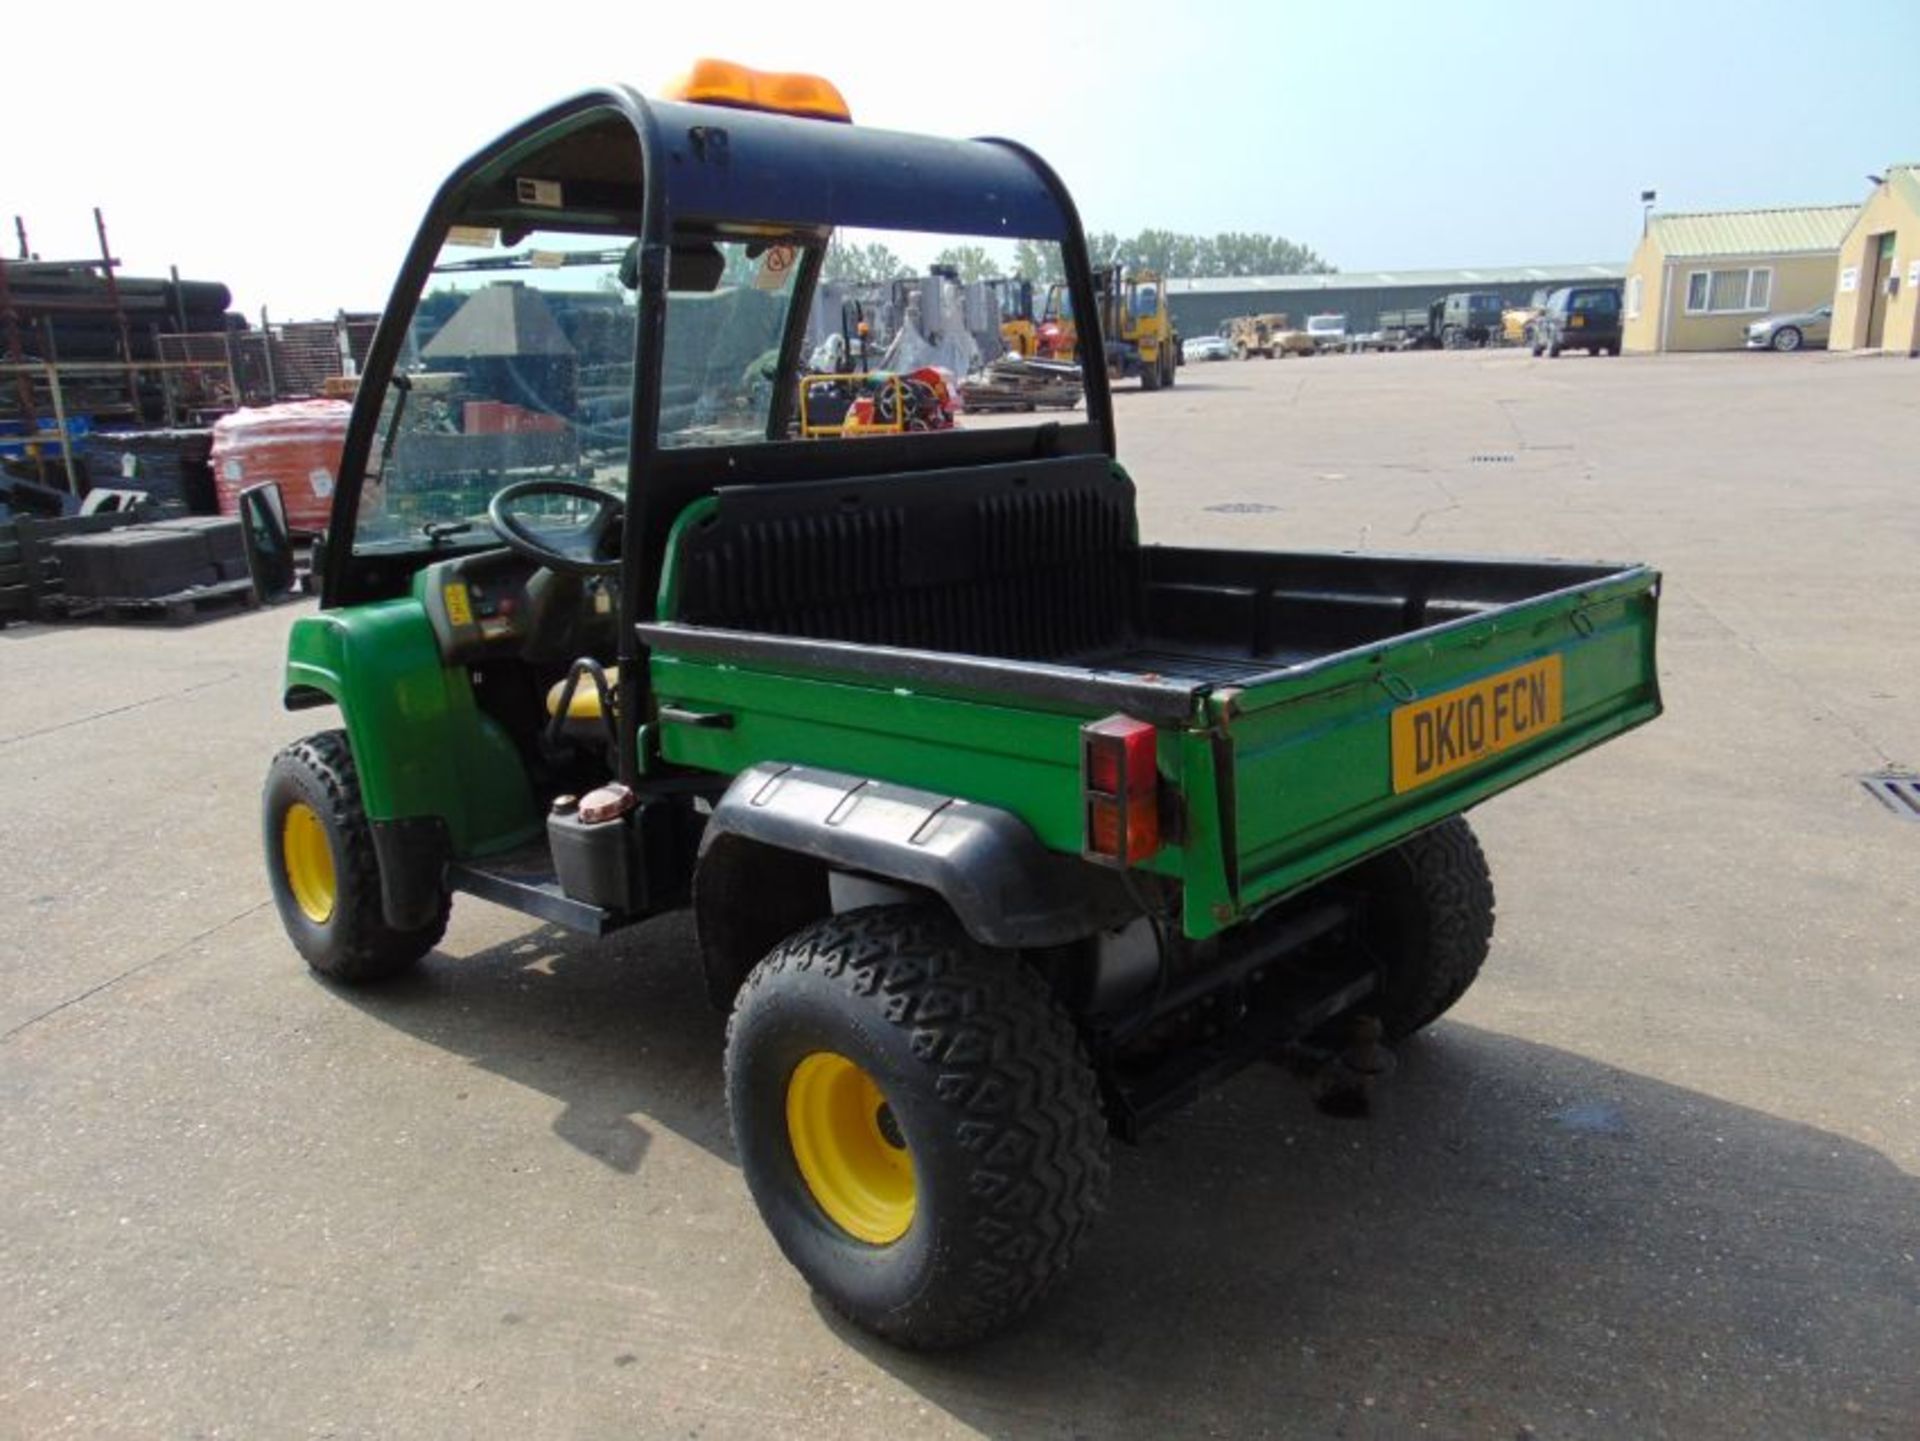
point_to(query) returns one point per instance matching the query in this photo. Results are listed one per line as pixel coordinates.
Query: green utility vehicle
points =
(1004, 832)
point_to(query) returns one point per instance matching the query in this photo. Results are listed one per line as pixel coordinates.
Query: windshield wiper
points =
(439, 530)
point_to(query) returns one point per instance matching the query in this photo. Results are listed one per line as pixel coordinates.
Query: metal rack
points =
(198, 374)
(109, 388)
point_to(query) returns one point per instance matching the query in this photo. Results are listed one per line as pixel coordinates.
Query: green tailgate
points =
(1313, 779)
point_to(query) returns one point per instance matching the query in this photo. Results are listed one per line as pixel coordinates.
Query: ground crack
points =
(132, 970)
(120, 709)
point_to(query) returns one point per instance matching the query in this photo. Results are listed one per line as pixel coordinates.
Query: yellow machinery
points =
(849, 405)
(1516, 321)
(1057, 337)
(1135, 321)
(1019, 327)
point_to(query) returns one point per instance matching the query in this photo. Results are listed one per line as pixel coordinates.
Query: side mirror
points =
(263, 528)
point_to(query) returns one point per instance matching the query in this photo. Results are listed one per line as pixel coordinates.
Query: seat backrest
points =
(1032, 561)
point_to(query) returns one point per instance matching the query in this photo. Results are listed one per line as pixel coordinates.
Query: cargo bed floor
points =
(1170, 662)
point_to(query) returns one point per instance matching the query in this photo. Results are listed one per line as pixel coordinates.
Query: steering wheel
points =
(585, 556)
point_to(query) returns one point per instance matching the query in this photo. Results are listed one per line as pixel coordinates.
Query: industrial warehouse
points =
(714, 756)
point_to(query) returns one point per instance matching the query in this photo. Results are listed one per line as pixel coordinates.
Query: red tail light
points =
(1120, 775)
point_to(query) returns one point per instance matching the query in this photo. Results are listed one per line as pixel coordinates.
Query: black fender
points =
(780, 829)
(413, 855)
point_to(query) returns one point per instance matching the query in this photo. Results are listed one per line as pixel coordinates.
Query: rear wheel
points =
(1150, 374)
(1171, 375)
(1553, 350)
(917, 1123)
(323, 870)
(1429, 922)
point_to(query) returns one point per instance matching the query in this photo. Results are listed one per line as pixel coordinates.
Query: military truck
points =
(1465, 318)
(1005, 833)
(1266, 336)
(1407, 329)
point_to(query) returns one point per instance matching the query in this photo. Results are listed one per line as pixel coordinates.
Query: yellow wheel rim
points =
(850, 1151)
(308, 860)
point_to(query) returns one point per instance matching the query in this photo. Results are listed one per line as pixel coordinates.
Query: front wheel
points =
(917, 1122)
(1787, 338)
(323, 870)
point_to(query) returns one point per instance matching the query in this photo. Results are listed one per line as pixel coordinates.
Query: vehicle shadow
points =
(1519, 1242)
(609, 1028)
(1123, 388)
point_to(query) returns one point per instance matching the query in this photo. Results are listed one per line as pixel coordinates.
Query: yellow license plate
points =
(1444, 733)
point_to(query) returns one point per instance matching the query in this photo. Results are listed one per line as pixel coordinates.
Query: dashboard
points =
(495, 603)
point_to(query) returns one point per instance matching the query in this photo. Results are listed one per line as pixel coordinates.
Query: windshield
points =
(519, 365)
(519, 360)
(722, 355)
(909, 332)
(1320, 324)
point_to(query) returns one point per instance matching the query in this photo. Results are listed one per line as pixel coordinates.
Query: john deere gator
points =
(1005, 831)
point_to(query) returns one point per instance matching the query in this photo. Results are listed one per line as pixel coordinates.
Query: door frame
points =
(1880, 254)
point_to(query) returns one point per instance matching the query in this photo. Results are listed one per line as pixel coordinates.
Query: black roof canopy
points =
(612, 161)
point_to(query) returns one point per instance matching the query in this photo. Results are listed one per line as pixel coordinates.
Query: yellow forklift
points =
(1019, 326)
(1135, 321)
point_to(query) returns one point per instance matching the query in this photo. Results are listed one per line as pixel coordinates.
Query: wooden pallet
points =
(183, 607)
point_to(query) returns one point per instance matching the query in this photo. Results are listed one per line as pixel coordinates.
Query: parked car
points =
(1792, 332)
(1328, 332)
(1586, 317)
(1206, 347)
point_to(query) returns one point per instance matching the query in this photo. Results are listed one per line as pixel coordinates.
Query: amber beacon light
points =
(721, 82)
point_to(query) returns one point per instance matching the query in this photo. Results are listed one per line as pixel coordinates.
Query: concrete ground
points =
(1658, 1175)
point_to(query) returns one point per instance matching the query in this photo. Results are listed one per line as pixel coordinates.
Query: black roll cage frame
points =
(676, 477)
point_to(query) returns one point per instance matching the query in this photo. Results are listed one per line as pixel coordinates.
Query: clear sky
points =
(290, 151)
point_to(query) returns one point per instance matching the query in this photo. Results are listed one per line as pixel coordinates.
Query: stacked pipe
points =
(73, 299)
